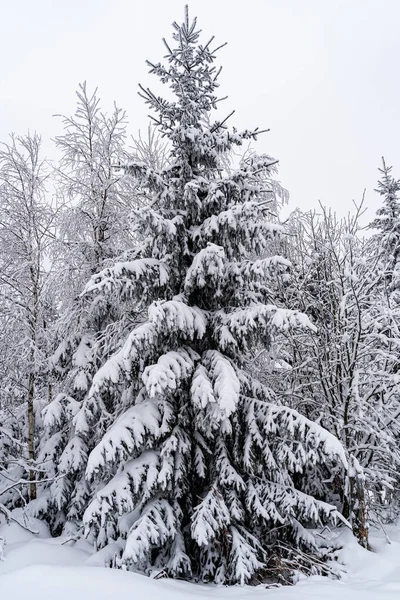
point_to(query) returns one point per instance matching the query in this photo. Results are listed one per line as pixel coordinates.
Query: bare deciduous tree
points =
(26, 231)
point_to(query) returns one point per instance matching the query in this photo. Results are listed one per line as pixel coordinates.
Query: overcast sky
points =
(321, 74)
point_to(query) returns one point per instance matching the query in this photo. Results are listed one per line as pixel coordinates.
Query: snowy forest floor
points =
(46, 568)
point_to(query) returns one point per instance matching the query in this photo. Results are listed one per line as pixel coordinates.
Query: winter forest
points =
(193, 386)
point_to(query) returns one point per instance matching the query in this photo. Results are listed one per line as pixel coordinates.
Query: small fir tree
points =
(190, 460)
(387, 220)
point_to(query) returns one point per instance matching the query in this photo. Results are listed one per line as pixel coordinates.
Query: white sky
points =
(321, 74)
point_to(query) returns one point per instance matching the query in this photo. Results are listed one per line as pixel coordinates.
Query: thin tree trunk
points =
(31, 435)
(355, 503)
(360, 523)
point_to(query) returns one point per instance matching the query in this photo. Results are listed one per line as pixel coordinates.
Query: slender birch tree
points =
(27, 226)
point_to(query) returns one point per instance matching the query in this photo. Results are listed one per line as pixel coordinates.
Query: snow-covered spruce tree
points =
(387, 220)
(192, 460)
(386, 325)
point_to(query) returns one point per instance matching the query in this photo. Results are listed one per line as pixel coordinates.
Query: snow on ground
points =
(47, 568)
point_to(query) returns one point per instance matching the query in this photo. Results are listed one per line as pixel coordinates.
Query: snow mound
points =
(57, 567)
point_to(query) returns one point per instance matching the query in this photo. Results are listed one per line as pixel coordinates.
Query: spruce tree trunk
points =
(31, 435)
